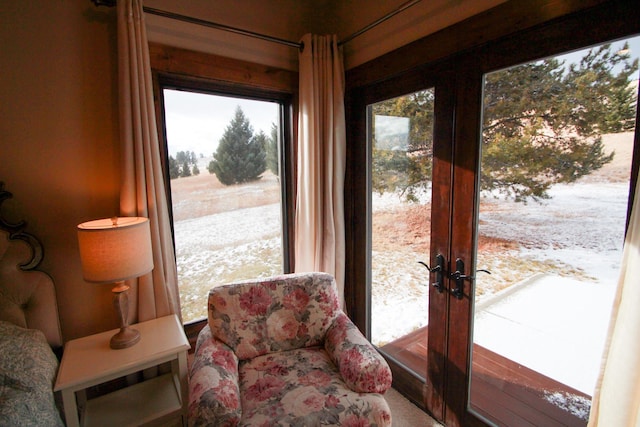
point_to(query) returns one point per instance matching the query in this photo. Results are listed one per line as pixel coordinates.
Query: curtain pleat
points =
(616, 401)
(142, 190)
(319, 220)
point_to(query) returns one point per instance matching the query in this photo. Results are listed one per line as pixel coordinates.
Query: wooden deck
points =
(502, 390)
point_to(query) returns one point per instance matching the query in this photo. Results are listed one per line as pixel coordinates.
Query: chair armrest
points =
(361, 366)
(214, 393)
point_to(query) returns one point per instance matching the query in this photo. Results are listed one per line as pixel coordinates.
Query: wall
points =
(284, 19)
(58, 133)
(58, 117)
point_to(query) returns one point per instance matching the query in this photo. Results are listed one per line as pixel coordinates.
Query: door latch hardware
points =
(438, 269)
(460, 277)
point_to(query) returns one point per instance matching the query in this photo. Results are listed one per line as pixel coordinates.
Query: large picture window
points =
(224, 160)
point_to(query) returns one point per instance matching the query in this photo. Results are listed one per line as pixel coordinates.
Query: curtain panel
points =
(319, 219)
(142, 190)
(616, 401)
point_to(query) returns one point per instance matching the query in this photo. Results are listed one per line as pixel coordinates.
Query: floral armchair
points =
(280, 351)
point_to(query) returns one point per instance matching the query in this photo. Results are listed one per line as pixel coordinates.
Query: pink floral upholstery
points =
(281, 352)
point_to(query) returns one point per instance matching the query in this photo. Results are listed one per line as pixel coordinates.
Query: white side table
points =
(90, 361)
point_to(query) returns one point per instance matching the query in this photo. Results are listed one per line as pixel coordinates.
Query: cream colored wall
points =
(58, 114)
(58, 126)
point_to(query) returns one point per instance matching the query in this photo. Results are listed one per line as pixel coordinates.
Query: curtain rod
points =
(202, 22)
(389, 15)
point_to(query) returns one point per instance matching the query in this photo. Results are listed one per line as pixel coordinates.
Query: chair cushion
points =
(303, 388)
(276, 314)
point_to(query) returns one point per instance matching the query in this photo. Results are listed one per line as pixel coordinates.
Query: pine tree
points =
(272, 150)
(174, 169)
(543, 122)
(185, 171)
(240, 157)
(409, 169)
(542, 125)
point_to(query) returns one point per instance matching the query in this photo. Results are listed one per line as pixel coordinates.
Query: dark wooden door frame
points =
(561, 29)
(358, 157)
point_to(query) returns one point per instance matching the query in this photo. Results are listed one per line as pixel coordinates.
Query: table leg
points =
(70, 408)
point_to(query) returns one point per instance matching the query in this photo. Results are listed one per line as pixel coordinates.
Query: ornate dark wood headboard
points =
(16, 231)
(27, 296)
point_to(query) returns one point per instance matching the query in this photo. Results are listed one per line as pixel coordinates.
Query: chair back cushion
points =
(286, 312)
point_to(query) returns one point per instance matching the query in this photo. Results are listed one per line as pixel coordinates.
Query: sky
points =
(634, 50)
(196, 122)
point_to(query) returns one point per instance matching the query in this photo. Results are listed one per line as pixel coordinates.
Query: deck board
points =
(513, 394)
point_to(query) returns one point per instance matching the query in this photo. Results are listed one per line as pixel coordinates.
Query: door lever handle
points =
(438, 269)
(460, 277)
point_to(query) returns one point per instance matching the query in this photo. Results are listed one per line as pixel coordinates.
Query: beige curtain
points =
(616, 401)
(319, 221)
(142, 188)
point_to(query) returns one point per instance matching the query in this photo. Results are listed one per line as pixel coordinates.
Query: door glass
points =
(225, 191)
(556, 160)
(401, 138)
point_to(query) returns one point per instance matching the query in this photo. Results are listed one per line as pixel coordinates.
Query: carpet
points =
(405, 414)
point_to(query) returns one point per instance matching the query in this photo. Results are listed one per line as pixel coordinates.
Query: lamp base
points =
(125, 338)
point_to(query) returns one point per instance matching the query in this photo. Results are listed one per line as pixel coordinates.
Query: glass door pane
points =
(556, 160)
(401, 138)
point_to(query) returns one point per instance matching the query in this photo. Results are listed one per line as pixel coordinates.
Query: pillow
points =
(27, 372)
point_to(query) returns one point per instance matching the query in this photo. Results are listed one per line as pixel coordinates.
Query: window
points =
(551, 228)
(230, 201)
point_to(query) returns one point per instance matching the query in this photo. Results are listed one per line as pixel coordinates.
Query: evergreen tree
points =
(272, 150)
(174, 169)
(542, 126)
(410, 169)
(195, 170)
(185, 171)
(543, 123)
(181, 157)
(240, 156)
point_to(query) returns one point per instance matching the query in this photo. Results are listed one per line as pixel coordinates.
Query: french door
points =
(408, 181)
(451, 263)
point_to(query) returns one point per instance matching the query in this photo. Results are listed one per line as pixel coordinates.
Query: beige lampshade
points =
(115, 249)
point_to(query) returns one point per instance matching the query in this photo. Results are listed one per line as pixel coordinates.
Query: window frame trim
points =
(180, 69)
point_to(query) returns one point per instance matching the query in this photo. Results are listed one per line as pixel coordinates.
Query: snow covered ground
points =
(556, 324)
(552, 322)
(553, 325)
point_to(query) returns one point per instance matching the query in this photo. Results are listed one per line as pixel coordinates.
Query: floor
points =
(513, 394)
(557, 364)
(406, 414)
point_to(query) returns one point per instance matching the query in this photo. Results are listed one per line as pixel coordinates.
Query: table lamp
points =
(113, 250)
